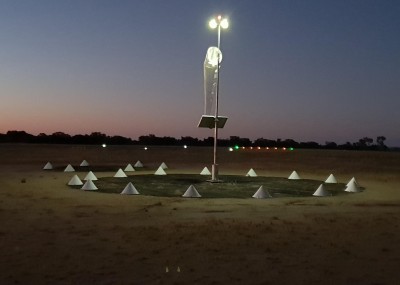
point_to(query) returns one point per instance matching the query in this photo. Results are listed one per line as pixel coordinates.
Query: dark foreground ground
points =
(51, 234)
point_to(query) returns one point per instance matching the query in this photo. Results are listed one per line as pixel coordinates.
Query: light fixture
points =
(213, 24)
(224, 23)
(219, 21)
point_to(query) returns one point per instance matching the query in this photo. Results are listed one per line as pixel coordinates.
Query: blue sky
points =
(306, 70)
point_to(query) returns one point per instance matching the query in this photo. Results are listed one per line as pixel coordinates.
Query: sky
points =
(305, 70)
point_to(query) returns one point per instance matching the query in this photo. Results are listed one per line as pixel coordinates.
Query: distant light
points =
(258, 147)
(284, 148)
(213, 24)
(251, 147)
(230, 149)
(224, 23)
(185, 146)
(267, 147)
(275, 148)
(290, 148)
(145, 148)
(243, 147)
(236, 147)
(104, 145)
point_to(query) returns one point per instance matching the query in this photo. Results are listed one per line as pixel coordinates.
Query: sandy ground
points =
(51, 234)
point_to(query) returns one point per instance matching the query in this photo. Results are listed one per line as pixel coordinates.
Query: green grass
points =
(233, 186)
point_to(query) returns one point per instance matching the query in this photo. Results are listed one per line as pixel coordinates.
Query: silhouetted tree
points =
(331, 145)
(364, 143)
(290, 143)
(380, 141)
(347, 146)
(98, 138)
(154, 140)
(368, 141)
(314, 145)
(189, 141)
(59, 138)
(80, 139)
(223, 142)
(235, 140)
(42, 138)
(119, 140)
(265, 142)
(208, 141)
(147, 140)
(20, 137)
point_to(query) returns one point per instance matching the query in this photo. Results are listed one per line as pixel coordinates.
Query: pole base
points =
(215, 181)
(214, 174)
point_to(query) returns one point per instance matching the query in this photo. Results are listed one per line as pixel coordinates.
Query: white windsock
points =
(331, 179)
(89, 186)
(163, 165)
(210, 70)
(138, 164)
(48, 166)
(130, 190)
(160, 171)
(84, 163)
(191, 192)
(351, 181)
(69, 168)
(129, 168)
(294, 175)
(205, 171)
(120, 174)
(75, 180)
(90, 176)
(251, 173)
(321, 191)
(352, 187)
(261, 193)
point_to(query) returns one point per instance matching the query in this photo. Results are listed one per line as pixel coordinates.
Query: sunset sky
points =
(306, 70)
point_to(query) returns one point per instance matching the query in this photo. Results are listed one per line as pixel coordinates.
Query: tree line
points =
(94, 138)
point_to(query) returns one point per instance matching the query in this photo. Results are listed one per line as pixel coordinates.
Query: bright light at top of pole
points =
(213, 24)
(223, 22)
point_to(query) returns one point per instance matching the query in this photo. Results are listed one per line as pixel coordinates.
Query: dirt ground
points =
(50, 234)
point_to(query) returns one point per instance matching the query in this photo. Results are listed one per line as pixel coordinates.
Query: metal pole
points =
(214, 175)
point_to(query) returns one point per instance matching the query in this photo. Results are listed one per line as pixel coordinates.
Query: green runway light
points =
(290, 148)
(236, 147)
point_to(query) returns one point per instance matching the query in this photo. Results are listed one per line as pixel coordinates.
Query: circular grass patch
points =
(233, 186)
